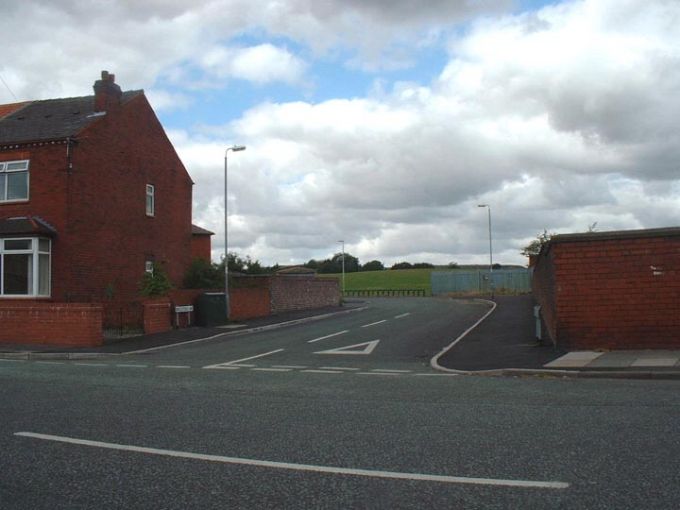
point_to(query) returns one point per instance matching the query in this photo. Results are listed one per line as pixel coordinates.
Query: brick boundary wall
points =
(157, 316)
(290, 293)
(71, 324)
(612, 293)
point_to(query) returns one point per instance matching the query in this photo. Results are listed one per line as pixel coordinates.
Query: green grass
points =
(397, 279)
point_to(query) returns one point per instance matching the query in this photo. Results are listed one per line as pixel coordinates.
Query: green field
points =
(393, 279)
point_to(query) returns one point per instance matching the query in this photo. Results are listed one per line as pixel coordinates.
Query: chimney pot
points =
(107, 94)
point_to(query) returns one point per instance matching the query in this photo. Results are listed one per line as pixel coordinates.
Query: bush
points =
(203, 274)
(373, 265)
(402, 265)
(155, 283)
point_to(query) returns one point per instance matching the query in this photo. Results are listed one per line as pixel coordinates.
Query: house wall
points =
(70, 324)
(97, 205)
(200, 247)
(616, 293)
(109, 232)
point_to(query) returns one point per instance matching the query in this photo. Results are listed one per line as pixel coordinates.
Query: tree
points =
(402, 265)
(203, 274)
(534, 247)
(423, 265)
(373, 265)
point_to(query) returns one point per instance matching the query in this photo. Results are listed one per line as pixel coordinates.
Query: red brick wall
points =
(248, 303)
(200, 247)
(31, 322)
(616, 293)
(157, 316)
(303, 292)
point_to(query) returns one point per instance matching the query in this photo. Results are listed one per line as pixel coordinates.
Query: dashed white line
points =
(271, 369)
(378, 373)
(292, 367)
(131, 365)
(320, 371)
(92, 364)
(327, 336)
(301, 467)
(389, 370)
(49, 362)
(436, 375)
(236, 361)
(173, 366)
(339, 368)
(373, 323)
(402, 315)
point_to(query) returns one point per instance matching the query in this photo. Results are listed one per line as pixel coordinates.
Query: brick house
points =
(611, 290)
(92, 194)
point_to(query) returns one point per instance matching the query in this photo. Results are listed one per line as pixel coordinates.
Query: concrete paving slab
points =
(655, 362)
(576, 359)
(613, 360)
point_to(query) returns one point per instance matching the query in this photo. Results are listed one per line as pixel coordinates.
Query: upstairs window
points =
(13, 181)
(25, 267)
(150, 200)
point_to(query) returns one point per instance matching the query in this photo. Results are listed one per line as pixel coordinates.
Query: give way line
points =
(301, 467)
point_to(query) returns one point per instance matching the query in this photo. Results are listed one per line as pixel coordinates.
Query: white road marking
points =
(292, 367)
(402, 315)
(339, 368)
(390, 370)
(373, 323)
(369, 473)
(327, 336)
(92, 364)
(227, 363)
(437, 375)
(49, 362)
(173, 366)
(230, 367)
(321, 371)
(378, 373)
(129, 365)
(14, 360)
(271, 369)
(352, 349)
(241, 365)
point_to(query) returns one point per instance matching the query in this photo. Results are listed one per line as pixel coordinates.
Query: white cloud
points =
(558, 118)
(260, 64)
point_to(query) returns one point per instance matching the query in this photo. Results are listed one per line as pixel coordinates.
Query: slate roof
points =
(26, 225)
(196, 230)
(51, 119)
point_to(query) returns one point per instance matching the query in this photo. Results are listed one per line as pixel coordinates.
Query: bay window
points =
(25, 266)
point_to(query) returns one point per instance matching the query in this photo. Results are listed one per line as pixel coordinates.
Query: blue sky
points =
(385, 122)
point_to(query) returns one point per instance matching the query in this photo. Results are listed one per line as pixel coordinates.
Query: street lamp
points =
(488, 207)
(233, 148)
(343, 266)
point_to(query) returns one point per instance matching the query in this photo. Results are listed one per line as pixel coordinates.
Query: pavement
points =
(503, 343)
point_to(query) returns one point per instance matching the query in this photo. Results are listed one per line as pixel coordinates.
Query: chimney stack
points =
(107, 93)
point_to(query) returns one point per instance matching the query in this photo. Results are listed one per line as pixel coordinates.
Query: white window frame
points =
(35, 253)
(4, 176)
(150, 195)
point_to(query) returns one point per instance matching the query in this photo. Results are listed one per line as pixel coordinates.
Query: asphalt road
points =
(287, 430)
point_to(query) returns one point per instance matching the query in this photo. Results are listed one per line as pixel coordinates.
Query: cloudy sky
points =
(386, 122)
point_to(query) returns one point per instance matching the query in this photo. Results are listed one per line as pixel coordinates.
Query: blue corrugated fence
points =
(504, 280)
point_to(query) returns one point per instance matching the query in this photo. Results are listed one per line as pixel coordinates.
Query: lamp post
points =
(343, 266)
(491, 287)
(233, 148)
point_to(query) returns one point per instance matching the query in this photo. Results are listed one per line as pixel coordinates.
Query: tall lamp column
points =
(233, 148)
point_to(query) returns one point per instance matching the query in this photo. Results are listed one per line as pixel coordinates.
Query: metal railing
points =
(385, 293)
